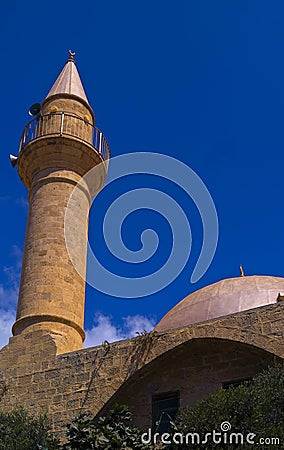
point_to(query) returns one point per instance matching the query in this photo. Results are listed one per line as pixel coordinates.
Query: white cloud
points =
(104, 329)
(14, 271)
(8, 302)
(137, 324)
(9, 289)
(9, 296)
(7, 318)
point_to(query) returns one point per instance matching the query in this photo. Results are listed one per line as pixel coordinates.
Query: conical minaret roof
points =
(68, 81)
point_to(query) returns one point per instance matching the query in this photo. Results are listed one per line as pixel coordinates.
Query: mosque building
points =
(219, 335)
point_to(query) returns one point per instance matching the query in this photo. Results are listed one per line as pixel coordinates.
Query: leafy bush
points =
(105, 433)
(252, 407)
(22, 431)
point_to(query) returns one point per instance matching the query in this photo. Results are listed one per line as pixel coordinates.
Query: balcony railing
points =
(62, 124)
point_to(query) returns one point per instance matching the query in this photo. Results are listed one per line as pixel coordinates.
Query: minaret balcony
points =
(65, 124)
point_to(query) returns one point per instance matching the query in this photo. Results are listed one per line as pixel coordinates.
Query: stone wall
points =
(32, 375)
(195, 369)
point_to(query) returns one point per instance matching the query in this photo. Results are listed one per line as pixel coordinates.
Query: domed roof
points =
(222, 298)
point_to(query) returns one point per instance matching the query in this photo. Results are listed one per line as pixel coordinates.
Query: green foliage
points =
(21, 431)
(105, 433)
(252, 407)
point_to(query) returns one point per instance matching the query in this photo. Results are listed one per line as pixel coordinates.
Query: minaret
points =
(58, 147)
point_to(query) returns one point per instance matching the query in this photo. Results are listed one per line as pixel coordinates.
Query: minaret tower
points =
(58, 147)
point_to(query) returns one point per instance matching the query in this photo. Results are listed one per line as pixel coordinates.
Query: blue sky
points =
(199, 81)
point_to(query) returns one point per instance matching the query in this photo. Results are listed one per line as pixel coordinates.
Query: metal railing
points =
(62, 123)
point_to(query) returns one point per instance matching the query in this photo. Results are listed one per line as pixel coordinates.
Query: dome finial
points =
(71, 55)
(242, 273)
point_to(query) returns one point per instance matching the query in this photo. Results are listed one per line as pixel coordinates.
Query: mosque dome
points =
(225, 297)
